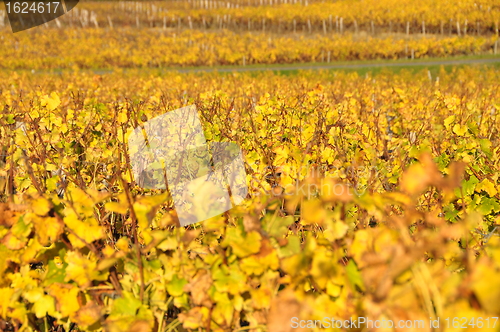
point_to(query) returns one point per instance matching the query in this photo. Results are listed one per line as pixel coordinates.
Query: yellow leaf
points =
(6, 294)
(313, 212)
(487, 186)
(87, 315)
(12, 242)
(17, 237)
(44, 305)
(33, 249)
(122, 117)
(48, 229)
(242, 244)
(333, 289)
(363, 240)
(323, 267)
(328, 154)
(195, 318)
(336, 230)
(81, 269)
(259, 264)
(122, 244)
(41, 206)
(34, 294)
(223, 311)
(87, 231)
(154, 200)
(96, 195)
(143, 214)
(486, 286)
(418, 176)
(66, 297)
(295, 265)
(460, 130)
(117, 207)
(448, 121)
(261, 298)
(51, 102)
(84, 202)
(281, 154)
(18, 312)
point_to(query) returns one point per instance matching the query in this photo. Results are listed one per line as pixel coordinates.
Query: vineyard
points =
(410, 17)
(128, 34)
(54, 49)
(372, 196)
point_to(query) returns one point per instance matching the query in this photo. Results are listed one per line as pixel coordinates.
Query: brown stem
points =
(133, 216)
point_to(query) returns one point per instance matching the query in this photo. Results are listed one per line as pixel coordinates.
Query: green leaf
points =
(291, 248)
(129, 314)
(468, 187)
(176, 286)
(354, 276)
(11, 119)
(277, 226)
(486, 146)
(488, 205)
(450, 213)
(229, 280)
(21, 229)
(126, 305)
(55, 273)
